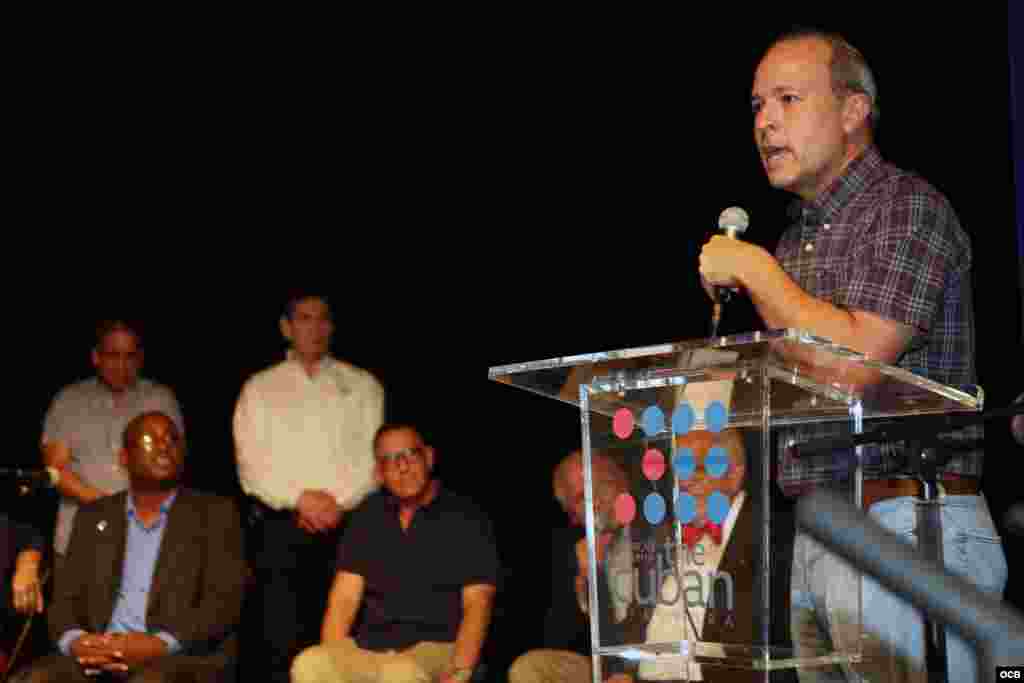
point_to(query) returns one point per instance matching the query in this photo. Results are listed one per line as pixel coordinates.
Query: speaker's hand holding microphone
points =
(718, 256)
(717, 261)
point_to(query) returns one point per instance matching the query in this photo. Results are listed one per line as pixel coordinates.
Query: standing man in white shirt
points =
(304, 444)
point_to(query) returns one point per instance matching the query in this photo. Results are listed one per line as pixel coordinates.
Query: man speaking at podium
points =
(875, 261)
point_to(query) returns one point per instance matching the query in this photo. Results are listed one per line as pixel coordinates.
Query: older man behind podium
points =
(614, 553)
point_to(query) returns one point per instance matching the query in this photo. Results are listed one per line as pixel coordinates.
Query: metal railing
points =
(995, 629)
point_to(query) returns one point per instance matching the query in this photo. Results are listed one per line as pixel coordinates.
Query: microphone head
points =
(733, 220)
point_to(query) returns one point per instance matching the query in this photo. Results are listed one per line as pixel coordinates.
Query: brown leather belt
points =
(877, 490)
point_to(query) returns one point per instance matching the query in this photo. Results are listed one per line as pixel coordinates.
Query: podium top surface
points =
(816, 376)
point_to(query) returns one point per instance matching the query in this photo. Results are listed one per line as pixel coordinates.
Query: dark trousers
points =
(169, 669)
(293, 571)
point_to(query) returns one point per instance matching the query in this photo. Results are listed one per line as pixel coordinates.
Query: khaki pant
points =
(346, 662)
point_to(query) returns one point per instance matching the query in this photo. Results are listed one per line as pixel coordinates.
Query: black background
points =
(470, 194)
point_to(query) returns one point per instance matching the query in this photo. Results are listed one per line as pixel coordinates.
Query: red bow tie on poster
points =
(692, 533)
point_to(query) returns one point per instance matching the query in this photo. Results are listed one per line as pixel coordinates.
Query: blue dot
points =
(716, 463)
(683, 419)
(716, 416)
(654, 508)
(686, 508)
(718, 507)
(653, 421)
(685, 464)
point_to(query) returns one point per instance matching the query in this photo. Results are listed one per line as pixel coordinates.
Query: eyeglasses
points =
(406, 456)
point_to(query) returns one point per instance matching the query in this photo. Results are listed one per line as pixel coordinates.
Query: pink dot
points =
(653, 464)
(625, 509)
(622, 423)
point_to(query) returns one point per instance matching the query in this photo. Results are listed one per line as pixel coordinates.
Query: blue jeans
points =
(824, 591)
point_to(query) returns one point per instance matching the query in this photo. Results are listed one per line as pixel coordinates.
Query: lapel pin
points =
(102, 526)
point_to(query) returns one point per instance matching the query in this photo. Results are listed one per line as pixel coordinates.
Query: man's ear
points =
(428, 458)
(286, 328)
(856, 112)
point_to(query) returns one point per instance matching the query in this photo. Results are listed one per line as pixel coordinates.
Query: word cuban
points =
(695, 587)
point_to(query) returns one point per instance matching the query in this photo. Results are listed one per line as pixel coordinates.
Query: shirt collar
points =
(165, 508)
(323, 366)
(104, 392)
(858, 176)
(393, 502)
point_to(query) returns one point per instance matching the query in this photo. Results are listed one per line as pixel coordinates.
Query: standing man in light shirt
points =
(304, 433)
(83, 426)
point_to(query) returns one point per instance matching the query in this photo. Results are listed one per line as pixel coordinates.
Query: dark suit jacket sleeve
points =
(72, 586)
(200, 624)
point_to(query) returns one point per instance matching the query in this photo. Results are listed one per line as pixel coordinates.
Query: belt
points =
(877, 490)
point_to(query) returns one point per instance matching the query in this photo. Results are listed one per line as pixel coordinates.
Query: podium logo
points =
(709, 470)
(709, 467)
(663, 584)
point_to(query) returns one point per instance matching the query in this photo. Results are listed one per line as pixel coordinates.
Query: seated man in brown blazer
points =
(152, 585)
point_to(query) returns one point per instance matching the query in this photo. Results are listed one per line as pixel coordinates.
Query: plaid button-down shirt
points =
(883, 240)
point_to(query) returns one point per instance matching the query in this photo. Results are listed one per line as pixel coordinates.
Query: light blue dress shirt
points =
(142, 547)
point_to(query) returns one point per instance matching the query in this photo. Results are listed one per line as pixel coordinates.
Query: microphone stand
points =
(926, 454)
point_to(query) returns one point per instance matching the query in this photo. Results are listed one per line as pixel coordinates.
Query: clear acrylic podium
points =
(690, 432)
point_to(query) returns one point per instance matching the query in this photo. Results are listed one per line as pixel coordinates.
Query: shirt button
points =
(808, 247)
(826, 226)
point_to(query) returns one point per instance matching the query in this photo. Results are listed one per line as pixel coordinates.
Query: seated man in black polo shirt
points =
(422, 563)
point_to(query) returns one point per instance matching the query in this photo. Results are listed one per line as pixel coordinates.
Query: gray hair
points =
(850, 71)
(608, 479)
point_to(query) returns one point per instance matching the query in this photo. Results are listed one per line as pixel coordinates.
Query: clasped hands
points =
(317, 511)
(115, 652)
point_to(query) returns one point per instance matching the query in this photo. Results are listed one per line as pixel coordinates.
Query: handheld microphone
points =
(733, 221)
